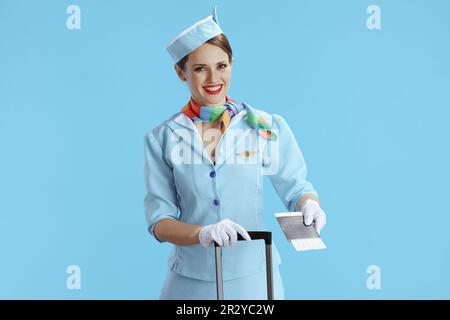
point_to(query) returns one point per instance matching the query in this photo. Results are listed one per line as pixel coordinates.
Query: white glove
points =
(312, 212)
(224, 233)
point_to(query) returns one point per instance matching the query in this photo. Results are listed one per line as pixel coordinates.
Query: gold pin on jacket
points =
(247, 153)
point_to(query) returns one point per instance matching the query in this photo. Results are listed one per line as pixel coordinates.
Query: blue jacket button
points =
(216, 202)
(212, 174)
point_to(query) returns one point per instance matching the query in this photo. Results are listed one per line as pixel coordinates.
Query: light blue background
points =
(370, 109)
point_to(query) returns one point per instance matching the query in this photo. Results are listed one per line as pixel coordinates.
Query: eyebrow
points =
(204, 65)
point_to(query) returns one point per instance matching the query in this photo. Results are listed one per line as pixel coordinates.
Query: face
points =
(208, 74)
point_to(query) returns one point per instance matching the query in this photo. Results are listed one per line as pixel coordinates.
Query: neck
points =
(210, 105)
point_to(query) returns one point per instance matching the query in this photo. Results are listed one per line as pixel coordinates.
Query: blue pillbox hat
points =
(193, 37)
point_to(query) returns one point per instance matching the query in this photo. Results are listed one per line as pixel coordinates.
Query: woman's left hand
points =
(312, 212)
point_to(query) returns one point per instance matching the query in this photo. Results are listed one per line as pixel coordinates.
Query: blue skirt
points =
(253, 287)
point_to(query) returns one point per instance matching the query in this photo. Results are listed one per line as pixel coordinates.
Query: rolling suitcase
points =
(255, 235)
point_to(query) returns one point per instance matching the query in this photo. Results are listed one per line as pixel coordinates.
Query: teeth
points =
(213, 88)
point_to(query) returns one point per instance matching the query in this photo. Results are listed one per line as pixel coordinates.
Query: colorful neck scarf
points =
(226, 112)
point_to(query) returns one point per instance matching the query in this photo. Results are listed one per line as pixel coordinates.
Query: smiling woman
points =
(193, 205)
(207, 71)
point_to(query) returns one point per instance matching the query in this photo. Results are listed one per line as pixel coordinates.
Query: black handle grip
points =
(255, 235)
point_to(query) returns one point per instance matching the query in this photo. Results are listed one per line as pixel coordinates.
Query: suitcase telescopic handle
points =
(254, 235)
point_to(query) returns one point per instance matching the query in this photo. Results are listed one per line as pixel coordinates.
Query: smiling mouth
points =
(213, 89)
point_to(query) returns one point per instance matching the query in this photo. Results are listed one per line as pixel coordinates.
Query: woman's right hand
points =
(224, 233)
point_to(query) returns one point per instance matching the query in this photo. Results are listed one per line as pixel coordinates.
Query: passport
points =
(301, 236)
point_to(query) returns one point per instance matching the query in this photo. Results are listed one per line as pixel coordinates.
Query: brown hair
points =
(220, 41)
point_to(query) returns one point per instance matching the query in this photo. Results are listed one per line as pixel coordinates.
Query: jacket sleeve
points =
(160, 201)
(288, 168)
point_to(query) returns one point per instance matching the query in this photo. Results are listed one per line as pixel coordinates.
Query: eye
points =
(223, 66)
(199, 69)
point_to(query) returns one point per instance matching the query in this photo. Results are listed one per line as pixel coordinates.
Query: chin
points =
(214, 101)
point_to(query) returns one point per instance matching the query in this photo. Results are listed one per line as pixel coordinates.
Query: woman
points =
(204, 170)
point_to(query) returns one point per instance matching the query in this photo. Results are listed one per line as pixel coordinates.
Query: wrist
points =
(302, 201)
(203, 235)
(309, 202)
(198, 233)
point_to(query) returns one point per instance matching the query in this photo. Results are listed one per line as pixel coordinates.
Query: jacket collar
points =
(185, 121)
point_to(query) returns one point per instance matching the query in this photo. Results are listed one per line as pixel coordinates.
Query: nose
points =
(212, 76)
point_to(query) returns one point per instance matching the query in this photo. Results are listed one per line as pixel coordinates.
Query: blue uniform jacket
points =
(183, 183)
